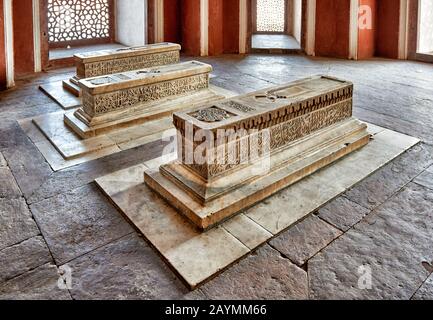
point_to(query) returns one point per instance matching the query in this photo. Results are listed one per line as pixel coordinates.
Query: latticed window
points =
(79, 20)
(271, 15)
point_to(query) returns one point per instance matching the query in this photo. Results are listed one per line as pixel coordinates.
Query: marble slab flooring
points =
(198, 257)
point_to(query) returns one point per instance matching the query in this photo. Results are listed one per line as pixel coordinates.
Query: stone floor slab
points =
(176, 239)
(426, 290)
(125, 269)
(16, 222)
(343, 213)
(62, 97)
(247, 231)
(426, 178)
(318, 189)
(383, 256)
(28, 167)
(37, 284)
(72, 178)
(77, 222)
(376, 189)
(22, 257)
(8, 186)
(264, 275)
(306, 239)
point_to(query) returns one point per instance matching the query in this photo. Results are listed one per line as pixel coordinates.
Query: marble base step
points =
(60, 95)
(71, 87)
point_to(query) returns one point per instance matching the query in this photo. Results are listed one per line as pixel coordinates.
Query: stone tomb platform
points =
(288, 131)
(198, 256)
(67, 92)
(119, 116)
(128, 98)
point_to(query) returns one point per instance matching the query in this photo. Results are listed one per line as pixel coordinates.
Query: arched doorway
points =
(276, 25)
(425, 33)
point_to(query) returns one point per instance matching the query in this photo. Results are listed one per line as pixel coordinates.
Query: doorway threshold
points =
(275, 44)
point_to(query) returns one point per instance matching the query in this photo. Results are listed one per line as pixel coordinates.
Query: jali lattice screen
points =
(70, 20)
(271, 15)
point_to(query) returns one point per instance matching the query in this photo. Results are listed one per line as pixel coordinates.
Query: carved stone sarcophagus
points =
(105, 62)
(239, 151)
(128, 96)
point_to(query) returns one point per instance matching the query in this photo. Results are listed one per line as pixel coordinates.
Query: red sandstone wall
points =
(367, 37)
(23, 37)
(2, 50)
(190, 15)
(388, 17)
(332, 28)
(184, 15)
(172, 21)
(231, 26)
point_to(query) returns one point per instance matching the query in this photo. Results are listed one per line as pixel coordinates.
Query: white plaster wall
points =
(425, 43)
(297, 19)
(131, 22)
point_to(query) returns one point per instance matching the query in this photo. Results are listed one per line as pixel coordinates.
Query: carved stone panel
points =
(99, 68)
(276, 116)
(106, 94)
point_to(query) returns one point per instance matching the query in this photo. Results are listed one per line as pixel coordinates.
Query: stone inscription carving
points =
(238, 106)
(290, 112)
(100, 104)
(212, 114)
(99, 68)
(100, 81)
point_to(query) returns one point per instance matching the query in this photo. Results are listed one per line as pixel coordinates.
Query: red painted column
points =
(23, 37)
(216, 27)
(190, 15)
(231, 26)
(388, 25)
(2, 49)
(332, 28)
(172, 21)
(223, 26)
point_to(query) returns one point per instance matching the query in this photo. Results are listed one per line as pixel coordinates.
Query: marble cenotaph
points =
(132, 97)
(236, 152)
(105, 62)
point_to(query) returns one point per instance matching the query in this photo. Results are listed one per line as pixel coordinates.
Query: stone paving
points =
(52, 220)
